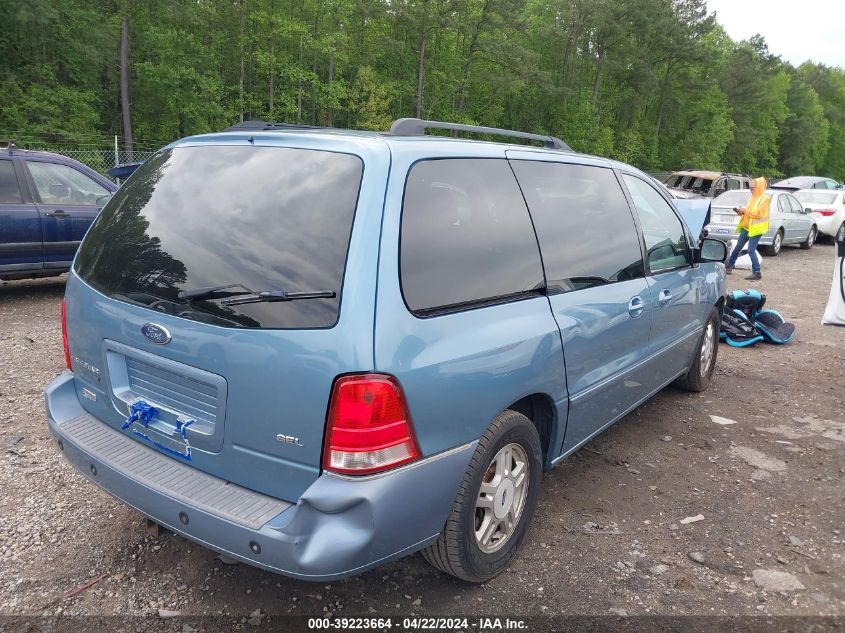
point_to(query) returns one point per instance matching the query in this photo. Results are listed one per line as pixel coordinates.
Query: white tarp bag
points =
(744, 259)
(834, 313)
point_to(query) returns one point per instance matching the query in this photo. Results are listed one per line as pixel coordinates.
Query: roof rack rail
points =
(417, 127)
(258, 126)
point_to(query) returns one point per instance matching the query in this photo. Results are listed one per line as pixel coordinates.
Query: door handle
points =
(636, 306)
(664, 297)
(59, 213)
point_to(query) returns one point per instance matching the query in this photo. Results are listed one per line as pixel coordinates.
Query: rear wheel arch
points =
(540, 409)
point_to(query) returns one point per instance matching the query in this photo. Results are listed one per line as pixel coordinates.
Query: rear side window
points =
(252, 218)
(665, 239)
(586, 231)
(60, 184)
(466, 237)
(10, 193)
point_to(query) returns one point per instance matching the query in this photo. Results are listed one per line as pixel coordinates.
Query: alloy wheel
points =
(501, 498)
(708, 346)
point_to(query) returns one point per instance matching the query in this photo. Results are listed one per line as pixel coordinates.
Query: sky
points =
(797, 30)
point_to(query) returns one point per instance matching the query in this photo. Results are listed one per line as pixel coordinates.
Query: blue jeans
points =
(752, 250)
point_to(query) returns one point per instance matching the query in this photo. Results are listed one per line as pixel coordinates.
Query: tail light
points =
(825, 212)
(369, 429)
(64, 334)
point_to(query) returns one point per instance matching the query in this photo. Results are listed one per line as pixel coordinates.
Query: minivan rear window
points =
(253, 218)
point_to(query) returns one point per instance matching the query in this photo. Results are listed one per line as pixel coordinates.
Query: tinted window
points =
(264, 218)
(466, 235)
(665, 238)
(586, 231)
(10, 193)
(60, 184)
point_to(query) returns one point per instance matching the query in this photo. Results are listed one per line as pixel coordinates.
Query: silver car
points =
(789, 223)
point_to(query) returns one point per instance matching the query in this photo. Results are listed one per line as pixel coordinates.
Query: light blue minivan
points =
(318, 350)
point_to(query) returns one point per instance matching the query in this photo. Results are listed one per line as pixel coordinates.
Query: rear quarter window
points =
(256, 218)
(466, 237)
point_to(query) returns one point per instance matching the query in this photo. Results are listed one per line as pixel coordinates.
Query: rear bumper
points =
(728, 233)
(339, 527)
(829, 225)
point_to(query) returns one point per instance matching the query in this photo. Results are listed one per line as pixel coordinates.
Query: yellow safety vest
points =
(758, 225)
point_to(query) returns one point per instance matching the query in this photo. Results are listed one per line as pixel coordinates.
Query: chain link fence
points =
(100, 160)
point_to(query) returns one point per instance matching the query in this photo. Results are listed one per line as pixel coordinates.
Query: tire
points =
(811, 239)
(777, 245)
(704, 361)
(458, 551)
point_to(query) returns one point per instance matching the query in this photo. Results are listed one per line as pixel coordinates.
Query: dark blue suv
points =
(47, 203)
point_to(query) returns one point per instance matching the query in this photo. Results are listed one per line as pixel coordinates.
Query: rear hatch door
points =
(165, 306)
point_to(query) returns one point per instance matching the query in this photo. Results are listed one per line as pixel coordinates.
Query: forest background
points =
(655, 83)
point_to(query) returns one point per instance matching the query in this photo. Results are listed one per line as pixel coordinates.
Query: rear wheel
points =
(777, 244)
(494, 504)
(811, 239)
(704, 363)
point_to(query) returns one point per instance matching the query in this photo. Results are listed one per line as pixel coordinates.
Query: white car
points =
(828, 208)
(789, 223)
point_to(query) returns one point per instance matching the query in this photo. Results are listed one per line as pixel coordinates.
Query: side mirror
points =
(711, 251)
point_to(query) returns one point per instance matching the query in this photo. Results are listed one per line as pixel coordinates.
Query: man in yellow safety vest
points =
(753, 225)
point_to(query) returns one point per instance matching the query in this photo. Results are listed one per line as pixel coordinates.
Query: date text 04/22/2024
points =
(418, 623)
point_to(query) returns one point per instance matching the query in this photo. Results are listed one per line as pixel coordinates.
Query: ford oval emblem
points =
(158, 334)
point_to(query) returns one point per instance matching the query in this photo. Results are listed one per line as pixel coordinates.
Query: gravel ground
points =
(611, 534)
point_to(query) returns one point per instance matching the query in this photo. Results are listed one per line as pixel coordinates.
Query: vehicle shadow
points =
(47, 288)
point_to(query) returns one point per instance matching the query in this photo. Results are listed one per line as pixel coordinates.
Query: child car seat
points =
(745, 322)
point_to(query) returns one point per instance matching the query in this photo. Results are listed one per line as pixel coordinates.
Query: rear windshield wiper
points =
(272, 296)
(213, 292)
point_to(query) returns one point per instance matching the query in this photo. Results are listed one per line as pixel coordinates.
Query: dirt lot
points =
(608, 537)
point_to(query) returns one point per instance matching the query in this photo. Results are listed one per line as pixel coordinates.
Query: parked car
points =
(806, 182)
(789, 223)
(47, 203)
(707, 184)
(828, 210)
(317, 351)
(124, 170)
